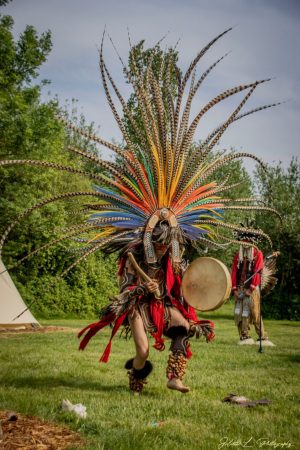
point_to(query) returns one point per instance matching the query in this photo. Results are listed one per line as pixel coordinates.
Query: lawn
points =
(39, 370)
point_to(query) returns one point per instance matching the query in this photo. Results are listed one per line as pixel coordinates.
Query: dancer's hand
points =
(152, 286)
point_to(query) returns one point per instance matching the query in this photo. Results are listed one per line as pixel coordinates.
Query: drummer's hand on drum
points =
(152, 286)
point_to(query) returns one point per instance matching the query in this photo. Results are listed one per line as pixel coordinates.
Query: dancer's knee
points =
(142, 351)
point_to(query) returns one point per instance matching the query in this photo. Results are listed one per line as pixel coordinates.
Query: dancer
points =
(150, 302)
(157, 199)
(246, 273)
(251, 276)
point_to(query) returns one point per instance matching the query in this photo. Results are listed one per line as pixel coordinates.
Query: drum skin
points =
(206, 284)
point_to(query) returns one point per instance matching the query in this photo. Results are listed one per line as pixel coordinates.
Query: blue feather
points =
(193, 232)
(190, 217)
(119, 201)
(112, 214)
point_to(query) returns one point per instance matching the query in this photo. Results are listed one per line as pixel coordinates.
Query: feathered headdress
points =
(159, 175)
(246, 234)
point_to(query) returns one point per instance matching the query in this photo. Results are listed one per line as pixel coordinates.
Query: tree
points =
(4, 2)
(29, 129)
(281, 187)
(164, 65)
(237, 174)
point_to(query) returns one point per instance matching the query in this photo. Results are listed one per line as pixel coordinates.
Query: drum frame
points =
(189, 284)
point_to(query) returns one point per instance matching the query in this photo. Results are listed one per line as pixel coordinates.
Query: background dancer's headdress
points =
(160, 175)
(248, 232)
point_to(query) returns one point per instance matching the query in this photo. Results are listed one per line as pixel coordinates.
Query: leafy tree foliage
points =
(4, 2)
(164, 67)
(237, 174)
(281, 188)
(29, 129)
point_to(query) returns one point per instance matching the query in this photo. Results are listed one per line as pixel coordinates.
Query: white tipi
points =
(11, 304)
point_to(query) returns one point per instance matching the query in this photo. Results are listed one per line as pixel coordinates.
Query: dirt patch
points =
(21, 329)
(30, 433)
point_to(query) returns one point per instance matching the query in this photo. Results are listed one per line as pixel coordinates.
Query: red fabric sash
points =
(105, 357)
(97, 326)
(157, 314)
(93, 329)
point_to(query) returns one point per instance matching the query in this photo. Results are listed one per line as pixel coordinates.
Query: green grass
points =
(39, 370)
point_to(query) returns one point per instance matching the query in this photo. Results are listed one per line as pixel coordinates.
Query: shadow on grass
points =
(54, 382)
(291, 358)
(76, 383)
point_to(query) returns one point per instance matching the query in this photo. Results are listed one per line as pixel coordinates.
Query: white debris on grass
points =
(79, 409)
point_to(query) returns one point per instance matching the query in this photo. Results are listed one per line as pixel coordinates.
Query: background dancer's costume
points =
(246, 273)
(159, 185)
(252, 276)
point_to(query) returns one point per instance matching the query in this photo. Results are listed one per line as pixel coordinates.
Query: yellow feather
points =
(176, 180)
(104, 233)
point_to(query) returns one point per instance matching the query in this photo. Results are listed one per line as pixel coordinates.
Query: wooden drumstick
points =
(140, 271)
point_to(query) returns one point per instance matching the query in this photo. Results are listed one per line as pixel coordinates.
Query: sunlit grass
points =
(39, 370)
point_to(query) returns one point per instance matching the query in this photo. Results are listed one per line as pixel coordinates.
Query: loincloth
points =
(247, 307)
(172, 317)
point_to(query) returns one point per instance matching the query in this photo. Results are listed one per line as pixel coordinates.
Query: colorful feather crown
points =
(160, 174)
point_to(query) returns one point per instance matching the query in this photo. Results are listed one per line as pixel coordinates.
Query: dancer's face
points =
(160, 249)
